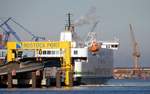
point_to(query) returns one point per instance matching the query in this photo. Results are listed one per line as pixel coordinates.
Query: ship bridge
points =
(114, 45)
(54, 53)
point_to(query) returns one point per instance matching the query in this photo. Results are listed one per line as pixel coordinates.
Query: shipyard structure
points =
(66, 62)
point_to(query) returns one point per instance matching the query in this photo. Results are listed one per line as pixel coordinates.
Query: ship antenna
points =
(69, 26)
(69, 21)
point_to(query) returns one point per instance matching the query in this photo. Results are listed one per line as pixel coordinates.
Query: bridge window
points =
(75, 52)
(53, 52)
(57, 52)
(44, 52)
(114, 46)
(48, 52)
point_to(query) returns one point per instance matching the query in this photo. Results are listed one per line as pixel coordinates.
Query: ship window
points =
(44, 52)
(112, 46)
(116, 46)
(75, 52)
(48, 52)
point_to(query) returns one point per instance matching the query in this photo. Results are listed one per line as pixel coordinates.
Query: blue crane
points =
(8, 30)
(34, 37)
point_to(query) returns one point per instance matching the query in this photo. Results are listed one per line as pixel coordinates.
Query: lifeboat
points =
(94, 47)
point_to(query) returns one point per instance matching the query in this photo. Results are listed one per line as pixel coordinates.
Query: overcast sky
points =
(48, 17)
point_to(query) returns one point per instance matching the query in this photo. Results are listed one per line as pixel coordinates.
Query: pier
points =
(127, 73)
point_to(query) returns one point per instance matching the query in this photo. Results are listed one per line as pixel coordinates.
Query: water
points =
(112, 87)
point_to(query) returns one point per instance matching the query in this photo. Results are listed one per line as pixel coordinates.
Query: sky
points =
(48, 18)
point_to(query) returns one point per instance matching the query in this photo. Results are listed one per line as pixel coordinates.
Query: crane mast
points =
(136, 53)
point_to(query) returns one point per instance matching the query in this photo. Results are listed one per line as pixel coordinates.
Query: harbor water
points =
(111, 87)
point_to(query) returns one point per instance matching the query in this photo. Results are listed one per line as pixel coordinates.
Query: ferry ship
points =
(92, 60)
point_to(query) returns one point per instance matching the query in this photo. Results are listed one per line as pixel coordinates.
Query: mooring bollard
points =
(58, 79)
(9, 80)
(33, 79)
(71, 79)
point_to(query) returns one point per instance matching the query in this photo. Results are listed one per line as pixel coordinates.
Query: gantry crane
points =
(136, 53)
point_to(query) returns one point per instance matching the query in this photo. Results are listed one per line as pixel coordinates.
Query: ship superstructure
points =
(99, 63)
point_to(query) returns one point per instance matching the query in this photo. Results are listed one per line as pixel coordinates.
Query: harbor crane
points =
(136, 53)
(7, 31)
(34, 37)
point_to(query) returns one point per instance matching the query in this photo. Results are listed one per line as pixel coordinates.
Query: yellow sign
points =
(39, 45)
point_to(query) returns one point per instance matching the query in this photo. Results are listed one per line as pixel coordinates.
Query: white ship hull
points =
(97, 69)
